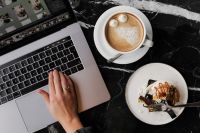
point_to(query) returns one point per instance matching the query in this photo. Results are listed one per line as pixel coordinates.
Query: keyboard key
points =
(34, 87)
(21, 78)
(58, 68)
(23, 70)
(68, 44)
(5, 71)
(10, 97)
(9, 83)
(30, 60)
(66, 39)
(75, 54)
(47, 60)
(33, 80)
(42, 55)
(52, 65)
(72, 49)
(60, 47)
(25, 91)
(24, 63)
(21, 85)
(15, 88)
(64, 59)
(45, 75)
(54, 50)
(48, 52)
(74, 69)
(70, 57)
(46, 68)
(60, 54)
(18, 66)
(27, 83)
(15, 81)
(11, 75)
(3, 100)
(12, 68)
(80, 67)
(8, 91)
(36, 65)
(54, 57)
(66, 52)
(5, 78)
(33, 73)
(39, 77)
(42, 62)
(73, 63)
(63, 67)
(29, 67)
(2, 93)
(36, 58)
(16, 94)
(39, 70)
(3, 86)
(58, 62)
(27, 75)
(17, 73)
(68, 72)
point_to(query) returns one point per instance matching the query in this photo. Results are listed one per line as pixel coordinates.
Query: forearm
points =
(71, 126)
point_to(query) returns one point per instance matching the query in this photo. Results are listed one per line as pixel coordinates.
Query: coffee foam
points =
(126, 36)
(130, 34)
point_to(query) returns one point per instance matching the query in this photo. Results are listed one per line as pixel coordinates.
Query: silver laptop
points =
(36, 37)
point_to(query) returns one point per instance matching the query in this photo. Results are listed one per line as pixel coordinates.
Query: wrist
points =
(72, 125)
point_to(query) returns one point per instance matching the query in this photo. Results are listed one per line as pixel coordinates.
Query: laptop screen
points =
(24, 21)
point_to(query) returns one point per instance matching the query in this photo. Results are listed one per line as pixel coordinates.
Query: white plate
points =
(99, 35)
(138, 82)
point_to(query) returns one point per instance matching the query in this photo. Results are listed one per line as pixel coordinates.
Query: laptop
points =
(37, 36)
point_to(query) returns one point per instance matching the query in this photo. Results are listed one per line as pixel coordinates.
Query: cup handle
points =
(148, 43)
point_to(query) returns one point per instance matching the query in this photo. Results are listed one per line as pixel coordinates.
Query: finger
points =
(45, 95)
(73, 91)
(57, 82)
(64, 82)
(71, 85)
(51, 85)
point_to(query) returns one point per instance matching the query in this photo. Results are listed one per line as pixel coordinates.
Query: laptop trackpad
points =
(34, 112)
(10, 119)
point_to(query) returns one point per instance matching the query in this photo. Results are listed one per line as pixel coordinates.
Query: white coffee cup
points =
(145, 41)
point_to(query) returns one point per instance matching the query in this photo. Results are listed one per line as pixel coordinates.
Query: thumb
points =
(45, 95)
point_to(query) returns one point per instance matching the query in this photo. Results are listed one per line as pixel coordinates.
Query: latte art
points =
(124, 32)
(130, 34)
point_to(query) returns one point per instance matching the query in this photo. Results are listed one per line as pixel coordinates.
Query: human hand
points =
(61, 101)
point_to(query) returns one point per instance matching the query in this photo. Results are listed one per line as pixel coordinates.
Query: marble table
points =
(176, 31)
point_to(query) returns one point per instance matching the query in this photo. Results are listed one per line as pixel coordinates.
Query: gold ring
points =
(68, 89)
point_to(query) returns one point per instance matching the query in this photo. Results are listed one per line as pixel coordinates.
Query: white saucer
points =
(138, 82)
(98, 35)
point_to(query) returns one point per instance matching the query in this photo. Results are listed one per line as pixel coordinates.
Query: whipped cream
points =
(113, 23)
(123, 18)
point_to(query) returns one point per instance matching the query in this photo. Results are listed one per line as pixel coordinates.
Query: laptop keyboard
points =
(30, 72)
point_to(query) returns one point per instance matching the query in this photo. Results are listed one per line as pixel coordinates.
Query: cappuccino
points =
(124, 32)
